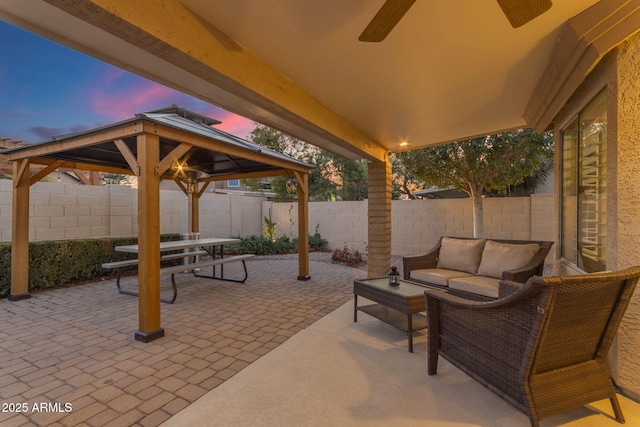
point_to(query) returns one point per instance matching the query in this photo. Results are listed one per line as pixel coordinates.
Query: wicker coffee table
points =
(400, 306)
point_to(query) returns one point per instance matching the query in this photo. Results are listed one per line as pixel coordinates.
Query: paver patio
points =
(76, 346)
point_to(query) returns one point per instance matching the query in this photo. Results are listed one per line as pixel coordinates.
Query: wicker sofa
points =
(544, 347)
(473, 268)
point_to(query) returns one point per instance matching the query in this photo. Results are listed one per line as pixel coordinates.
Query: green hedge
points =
(65, 262)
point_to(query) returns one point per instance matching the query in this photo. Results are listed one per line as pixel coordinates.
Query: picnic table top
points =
(182, 244)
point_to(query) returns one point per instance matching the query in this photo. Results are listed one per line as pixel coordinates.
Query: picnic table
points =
(190, 251)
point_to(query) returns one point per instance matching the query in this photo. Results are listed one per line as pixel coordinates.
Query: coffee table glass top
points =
(404, 288)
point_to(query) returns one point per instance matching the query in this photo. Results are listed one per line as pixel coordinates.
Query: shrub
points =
(269, 229)
(261, 245)
(66, 262)
(347, 256)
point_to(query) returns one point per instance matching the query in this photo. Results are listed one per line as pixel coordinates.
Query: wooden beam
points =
(178, 181)
(202, 189)
(127, 129)
(82, 166)
(44, 172)
(148, 240)
(195, 214)
(94, 178)
(280, 172)
(303, 225)
(172, 158)
(20, 172)
(256, 89)
(128, 156)
(213, 145)
(81, 176)
(20, 232)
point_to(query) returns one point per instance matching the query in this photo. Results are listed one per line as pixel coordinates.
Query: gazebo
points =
(171, 143)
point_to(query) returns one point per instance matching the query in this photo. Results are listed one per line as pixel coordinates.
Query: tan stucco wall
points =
(619, 71)
(627, 228)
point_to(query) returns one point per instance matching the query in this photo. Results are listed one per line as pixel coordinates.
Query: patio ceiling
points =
(449, 70)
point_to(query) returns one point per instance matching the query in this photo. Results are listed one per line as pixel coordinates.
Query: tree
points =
(403, 182)
(115, 178)
(333, 176)
(491, 162)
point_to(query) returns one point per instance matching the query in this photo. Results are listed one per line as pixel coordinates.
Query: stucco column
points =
(623, 205)
(379, 218)
(148, 240)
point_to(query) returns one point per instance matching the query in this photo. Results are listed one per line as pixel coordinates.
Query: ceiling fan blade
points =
(387, 17)
(519, 12)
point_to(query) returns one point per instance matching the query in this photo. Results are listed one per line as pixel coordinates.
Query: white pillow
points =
(460, 254)
(498, 257)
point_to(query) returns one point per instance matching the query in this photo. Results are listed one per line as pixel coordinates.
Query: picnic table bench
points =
(193, 250)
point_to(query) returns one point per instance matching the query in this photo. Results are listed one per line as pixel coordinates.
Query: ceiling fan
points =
(518, 12)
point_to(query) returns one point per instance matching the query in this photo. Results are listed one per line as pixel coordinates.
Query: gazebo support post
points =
(20, 232)
(195, 213)
(148, 239)
(303, 225)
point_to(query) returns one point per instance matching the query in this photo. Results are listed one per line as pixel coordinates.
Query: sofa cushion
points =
(437, 276)
(460, 254)
(498, 257)
(481, 285)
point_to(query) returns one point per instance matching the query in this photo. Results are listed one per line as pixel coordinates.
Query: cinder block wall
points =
(65, 211)
(61, 211)
(417, 224)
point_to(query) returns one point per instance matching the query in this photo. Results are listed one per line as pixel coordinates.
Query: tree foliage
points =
(490, 163)
(333, 176)
(115, 178)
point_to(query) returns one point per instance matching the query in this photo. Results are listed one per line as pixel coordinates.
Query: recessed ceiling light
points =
(404, 143)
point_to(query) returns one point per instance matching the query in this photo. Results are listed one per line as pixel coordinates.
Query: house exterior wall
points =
(619, 72)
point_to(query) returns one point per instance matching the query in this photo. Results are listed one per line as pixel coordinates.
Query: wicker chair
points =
(542, 348)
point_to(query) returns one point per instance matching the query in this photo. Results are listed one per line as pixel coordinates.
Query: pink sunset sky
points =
(49, 90)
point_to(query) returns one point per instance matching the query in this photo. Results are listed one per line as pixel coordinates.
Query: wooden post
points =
(195, 212)
(20, 232)
(148, 240)
(303, 225)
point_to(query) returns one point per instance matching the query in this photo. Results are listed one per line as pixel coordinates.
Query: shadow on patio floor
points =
(272, 351)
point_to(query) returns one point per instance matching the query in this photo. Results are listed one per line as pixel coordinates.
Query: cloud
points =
(121, 103)
(45, 132)
(119, 95)
(235, 124)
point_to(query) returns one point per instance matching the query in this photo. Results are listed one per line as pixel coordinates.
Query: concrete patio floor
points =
(272, 351)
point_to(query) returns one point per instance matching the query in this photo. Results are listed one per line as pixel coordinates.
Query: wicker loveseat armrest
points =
(508, 287)
(428, 260)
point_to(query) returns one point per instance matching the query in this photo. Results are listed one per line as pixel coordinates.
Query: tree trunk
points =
(478, 217)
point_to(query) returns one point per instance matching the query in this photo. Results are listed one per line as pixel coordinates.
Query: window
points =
(584, 187)
(233, 183)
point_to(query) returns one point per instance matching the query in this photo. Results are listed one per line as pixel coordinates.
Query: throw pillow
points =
(498, 257)
(460, 254)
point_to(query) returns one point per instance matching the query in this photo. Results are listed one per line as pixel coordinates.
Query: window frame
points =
(587, 203)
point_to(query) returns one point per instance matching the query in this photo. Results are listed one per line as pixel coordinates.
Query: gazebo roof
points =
(186, 140)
